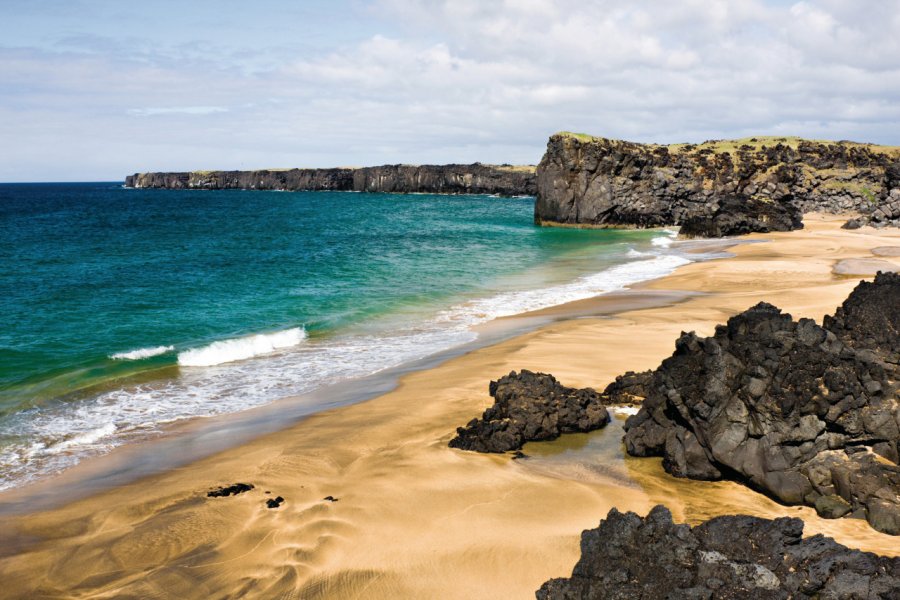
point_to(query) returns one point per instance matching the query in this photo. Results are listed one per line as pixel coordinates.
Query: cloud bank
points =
(421, 81)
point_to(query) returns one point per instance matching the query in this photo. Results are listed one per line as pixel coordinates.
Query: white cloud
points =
(466, 80)
(177, 110)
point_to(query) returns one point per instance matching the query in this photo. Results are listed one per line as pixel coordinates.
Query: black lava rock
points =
(531, 407)
(869, 319)
(628, 389)
(713, 189)
(795, 410)
(739, 216)
(732, 557)
(274, 502)
(231, 490)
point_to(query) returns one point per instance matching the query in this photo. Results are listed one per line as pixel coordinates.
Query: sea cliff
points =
(715, 188)
(477, 178)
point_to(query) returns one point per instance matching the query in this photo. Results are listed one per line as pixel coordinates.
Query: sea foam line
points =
(141, 353)
(609, 280)
(666, 240)
(226, 351)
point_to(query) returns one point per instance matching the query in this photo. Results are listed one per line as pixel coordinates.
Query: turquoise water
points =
(122, 310)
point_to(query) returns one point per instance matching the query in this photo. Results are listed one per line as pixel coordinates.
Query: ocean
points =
(123, 311)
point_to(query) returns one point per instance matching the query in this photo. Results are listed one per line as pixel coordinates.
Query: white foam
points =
(632, 253)
(226, 351)
(666, 240)
(88, 438)
(141, 353)
(625, 410)
(512, 303)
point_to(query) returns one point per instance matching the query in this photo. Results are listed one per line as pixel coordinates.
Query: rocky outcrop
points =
(715, 188)
(730, 557)
(530, 407)
(806, 414)
(740, 216)
(887, 213)
(504, 180)
(628, 389)
(869, 319)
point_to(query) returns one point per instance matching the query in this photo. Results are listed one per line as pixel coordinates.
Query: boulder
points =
(530, 407)
(628, 389)
(790, 408)
(229, 490)
(729, 557)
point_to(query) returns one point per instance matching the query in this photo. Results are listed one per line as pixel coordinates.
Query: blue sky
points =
(93, 90)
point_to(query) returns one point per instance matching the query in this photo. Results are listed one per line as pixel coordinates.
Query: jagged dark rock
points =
(731, 557)
(715, 188)
(739, 216)
(870, 317)
(230, 490)
(530, 407)
(628, 389)
(504, 180)
(790, 408)
(884, 214)
(274, 502)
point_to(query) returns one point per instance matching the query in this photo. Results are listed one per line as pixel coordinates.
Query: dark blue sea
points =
(123, 310)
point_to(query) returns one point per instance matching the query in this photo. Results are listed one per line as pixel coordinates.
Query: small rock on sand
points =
(231, 490)
(863, 266)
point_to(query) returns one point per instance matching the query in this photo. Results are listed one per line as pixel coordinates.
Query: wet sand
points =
(415, 519)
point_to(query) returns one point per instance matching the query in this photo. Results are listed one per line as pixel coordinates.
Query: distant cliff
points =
(715, 188)
(504, 180)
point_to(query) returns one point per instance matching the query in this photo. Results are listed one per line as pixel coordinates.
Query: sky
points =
(91, 90)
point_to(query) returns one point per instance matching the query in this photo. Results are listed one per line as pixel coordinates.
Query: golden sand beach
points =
(412, 517)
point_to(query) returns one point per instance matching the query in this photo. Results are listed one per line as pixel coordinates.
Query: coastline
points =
(415, 518)
(189, 440)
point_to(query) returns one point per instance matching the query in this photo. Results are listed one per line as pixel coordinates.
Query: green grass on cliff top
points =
(511, 168)
(755, 142)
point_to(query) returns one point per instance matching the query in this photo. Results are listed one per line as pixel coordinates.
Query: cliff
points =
(715, 188)
(504, 180)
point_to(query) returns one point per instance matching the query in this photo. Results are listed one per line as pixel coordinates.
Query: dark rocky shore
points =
(531, 407)
(804, 413)
(716, 188)
(709, 190)
(807, 414)
(733, 557)
(503, 180)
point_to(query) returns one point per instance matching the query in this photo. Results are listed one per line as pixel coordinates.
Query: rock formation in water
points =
(530, 407)
(732, 557)
(504, 180)
(715, 188)
(804, 413)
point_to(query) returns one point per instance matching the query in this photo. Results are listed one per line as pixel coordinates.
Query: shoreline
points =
(189, 440)
(415, 518)
(93, 402)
